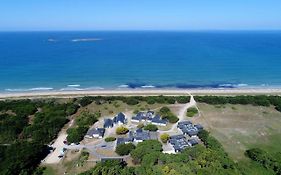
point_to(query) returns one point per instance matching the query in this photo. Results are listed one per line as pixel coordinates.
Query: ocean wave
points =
(52, 40)
(73, 85)
(31, 89)
(147, 86)
(123, 86)
(71, 89)
(86, 39)
(94, 88)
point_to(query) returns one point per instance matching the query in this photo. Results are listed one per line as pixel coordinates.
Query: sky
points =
(44, 15)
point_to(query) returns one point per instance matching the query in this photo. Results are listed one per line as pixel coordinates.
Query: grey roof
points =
(186, 128)
(119, 118)
(192, 132)
(179, 142)
(144, 116)
(138, 135)
(192, 142)
(199, 127)
(95, 131)
(123, 140)
(157, 119)
(184, 123)
(177, 136)
(108, 123)
(144, 135)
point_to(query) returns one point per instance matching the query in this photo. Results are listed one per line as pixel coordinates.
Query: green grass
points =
(49, 171)
(240, 127)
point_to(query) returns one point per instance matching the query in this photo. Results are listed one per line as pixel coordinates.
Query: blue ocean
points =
(34, 61)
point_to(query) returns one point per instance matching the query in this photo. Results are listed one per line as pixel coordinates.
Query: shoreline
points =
(139, 92)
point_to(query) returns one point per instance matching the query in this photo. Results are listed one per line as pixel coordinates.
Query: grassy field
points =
(109, 109)
(240, 127)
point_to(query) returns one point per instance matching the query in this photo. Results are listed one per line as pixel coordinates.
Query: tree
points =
(121, 130)
(86, 101)
(75, 135)
(20, 158)
(166, 113)
(165, 137)
(144, 148)
(124, 149)
(150, 127)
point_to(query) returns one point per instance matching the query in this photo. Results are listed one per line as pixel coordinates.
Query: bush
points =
(164, 110)
(124, 149)
(191, 112)
(183, 99)
(86, 101)
(166, 113)
(122, 130)
(132, 101)
(265, 159)
(150, 127)
(110, 139)
(165, 137)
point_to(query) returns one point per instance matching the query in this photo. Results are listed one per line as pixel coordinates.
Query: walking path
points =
(182, 113)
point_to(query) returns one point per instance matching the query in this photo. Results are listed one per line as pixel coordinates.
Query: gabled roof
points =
(157, 119)
(180, 136)
(96, 131)
(143, 135)
(179, 142)
(185, 123)
(192, 142)
(199, 127)
(123, 140)
(119, 118)
(192, 132)
(108, 123)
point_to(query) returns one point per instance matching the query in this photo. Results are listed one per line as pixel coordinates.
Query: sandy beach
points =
(136, 92)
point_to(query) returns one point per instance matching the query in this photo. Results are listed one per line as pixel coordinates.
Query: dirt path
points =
(53, 158)
(181, 114)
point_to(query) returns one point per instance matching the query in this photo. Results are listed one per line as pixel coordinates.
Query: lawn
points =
(240, 127)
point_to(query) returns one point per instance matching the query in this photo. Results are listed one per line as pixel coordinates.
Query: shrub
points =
(121, 130)
(191, 112)
(164, 110)
(165, 137)
(86, 101)
(132, 101)
(110, 139)
(124, 149)
(150, 127)
(166, 113)
(183, 99)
